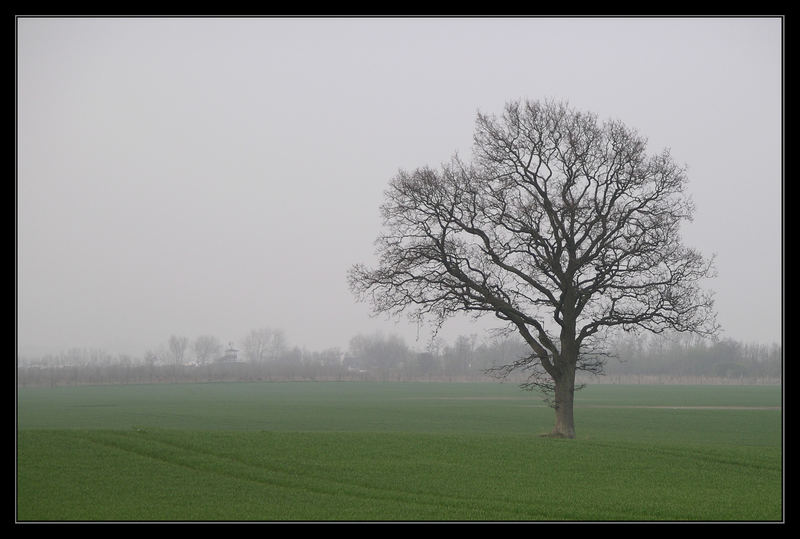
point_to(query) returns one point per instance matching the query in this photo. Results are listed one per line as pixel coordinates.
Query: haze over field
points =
(200, 176)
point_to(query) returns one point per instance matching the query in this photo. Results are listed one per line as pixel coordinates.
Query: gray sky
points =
(211, 176)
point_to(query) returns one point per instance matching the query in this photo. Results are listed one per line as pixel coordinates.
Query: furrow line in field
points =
(236, 468)
(694, 454)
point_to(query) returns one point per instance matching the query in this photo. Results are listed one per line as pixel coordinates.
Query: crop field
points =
(360, 451)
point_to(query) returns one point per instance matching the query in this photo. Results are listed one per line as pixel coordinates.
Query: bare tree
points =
(264, 344)
(206, 348)
(177, 348)
(378, 354)
(562, 226)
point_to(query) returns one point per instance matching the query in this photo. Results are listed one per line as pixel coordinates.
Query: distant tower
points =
(230, 353)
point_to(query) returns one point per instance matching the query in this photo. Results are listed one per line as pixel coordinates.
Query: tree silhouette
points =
(562, 226)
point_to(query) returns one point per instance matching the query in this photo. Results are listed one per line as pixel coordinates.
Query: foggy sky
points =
(197, 176)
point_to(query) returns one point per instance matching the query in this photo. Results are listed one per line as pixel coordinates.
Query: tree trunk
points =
(564, 374)
(564, 405)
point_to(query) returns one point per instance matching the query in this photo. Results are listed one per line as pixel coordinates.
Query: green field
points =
(357, 451)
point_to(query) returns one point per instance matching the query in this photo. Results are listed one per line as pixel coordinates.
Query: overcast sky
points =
(214, 175)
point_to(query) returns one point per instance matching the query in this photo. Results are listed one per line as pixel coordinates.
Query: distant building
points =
(231, 355)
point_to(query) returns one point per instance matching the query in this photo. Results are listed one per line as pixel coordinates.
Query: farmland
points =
(359, 451)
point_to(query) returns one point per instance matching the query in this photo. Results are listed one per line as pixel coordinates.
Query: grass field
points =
(351, 451)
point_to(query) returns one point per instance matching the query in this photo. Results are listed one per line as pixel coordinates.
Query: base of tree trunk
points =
(555, 434)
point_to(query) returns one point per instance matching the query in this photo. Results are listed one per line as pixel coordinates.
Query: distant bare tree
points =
(263, 344)
(177, 348)
(378, 354)
(206, 348)
(563, 227)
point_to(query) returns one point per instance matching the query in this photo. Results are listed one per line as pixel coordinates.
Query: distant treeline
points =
(681, 358)
(265, 356)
